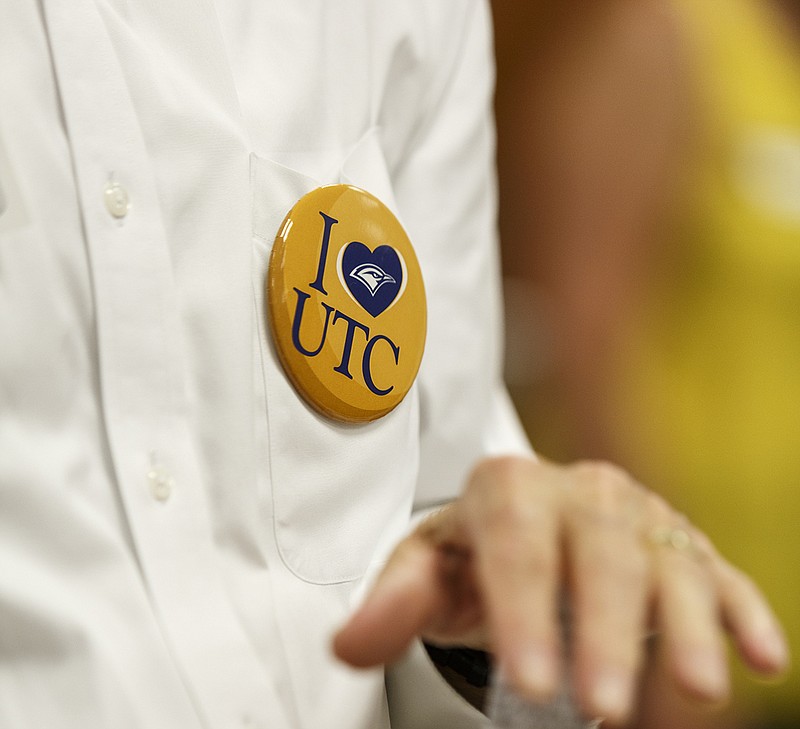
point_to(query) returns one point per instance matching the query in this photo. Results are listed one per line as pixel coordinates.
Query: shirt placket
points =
(142, 372)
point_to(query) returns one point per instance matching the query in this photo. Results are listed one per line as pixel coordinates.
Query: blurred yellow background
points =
(649, 156)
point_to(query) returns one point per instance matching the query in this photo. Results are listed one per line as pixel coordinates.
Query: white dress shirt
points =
(179, 533)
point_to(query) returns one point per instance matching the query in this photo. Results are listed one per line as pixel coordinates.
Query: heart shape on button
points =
(373, 278)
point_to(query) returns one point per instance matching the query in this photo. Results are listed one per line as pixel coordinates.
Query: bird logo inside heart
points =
(375, 279)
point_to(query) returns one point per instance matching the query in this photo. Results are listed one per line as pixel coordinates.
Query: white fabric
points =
(134, 355)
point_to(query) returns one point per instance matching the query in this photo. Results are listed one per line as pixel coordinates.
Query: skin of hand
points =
(488, 570)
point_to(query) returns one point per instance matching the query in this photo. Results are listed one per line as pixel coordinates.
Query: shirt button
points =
(117, 201)
(161, 483)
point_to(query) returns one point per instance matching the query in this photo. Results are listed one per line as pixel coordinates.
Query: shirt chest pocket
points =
(341, 493)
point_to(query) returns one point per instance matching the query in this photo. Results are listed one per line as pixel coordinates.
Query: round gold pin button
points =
(346, 304)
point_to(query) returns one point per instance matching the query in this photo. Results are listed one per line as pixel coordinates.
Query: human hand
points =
(488, 571)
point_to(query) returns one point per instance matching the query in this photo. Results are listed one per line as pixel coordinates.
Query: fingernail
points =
(775, 649)
(533, 673)
(708, 676)
(611, 694)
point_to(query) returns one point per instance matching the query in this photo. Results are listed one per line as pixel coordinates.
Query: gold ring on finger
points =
(676, 538)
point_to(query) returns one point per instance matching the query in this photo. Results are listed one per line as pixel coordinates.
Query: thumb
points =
(403, 601)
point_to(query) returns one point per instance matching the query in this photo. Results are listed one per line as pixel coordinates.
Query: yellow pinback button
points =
(346, 304)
